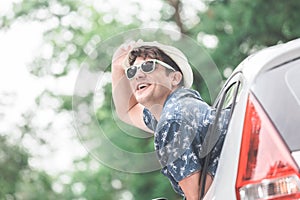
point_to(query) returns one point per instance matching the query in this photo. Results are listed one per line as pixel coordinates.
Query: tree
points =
(13, 160)
(244, 27)
(17, 179)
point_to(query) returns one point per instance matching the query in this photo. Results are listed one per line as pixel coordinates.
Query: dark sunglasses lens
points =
(130, 73)
(148, 66)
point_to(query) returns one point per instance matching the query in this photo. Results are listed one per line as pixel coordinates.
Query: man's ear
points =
(176, 78)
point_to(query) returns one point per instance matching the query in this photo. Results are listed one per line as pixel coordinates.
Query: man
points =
(150, 91)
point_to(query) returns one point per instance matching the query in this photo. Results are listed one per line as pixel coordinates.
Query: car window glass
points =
(278, 91)
(293, 83)
(231, 95)
(224, 108)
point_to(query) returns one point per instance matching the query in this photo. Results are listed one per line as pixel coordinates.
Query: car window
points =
(292, 81)
(231, 95)
(224, 107)
(278, 91)
(227, 100)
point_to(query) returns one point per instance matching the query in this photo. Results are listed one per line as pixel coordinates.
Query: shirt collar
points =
(182, 92)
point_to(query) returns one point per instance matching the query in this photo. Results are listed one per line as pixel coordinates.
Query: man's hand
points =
(118, 59)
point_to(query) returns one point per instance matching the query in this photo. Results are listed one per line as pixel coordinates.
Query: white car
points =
(260, 158)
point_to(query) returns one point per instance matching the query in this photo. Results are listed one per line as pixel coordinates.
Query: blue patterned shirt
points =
(179, 135)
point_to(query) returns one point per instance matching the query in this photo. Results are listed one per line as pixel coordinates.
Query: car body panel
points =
(223, 186)
(296, 156)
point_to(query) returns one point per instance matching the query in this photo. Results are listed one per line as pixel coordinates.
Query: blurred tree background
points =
(229, 30)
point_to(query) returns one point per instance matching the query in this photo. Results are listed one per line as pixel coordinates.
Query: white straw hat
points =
(177, 56)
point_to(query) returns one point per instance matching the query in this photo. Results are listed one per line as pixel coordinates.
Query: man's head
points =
(154, 73)
(154, 55)
(168, 54)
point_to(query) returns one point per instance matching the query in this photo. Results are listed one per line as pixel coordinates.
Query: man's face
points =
(152, 88)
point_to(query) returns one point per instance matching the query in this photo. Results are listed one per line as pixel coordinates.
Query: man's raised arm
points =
(127, 107)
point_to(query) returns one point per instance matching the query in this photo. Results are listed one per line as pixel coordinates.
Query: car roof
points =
(268, 58)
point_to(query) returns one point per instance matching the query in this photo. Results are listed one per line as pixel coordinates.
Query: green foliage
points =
(35, 185)
(17, 179)
(13, 160)
(101, 182)
(243, 27)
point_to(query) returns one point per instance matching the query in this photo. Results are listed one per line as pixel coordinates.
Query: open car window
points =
(224, 106)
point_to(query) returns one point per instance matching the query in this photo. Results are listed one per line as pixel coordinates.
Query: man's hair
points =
(152, 52)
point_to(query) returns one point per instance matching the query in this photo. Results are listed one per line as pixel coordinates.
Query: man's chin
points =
(142, 95)
(141, 99)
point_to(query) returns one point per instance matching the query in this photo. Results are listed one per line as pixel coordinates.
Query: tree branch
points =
(176, 4)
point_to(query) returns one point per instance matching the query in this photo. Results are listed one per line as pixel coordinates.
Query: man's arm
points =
(127, 107)
(191, 188)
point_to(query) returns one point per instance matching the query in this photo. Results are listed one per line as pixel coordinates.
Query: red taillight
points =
(266, 168)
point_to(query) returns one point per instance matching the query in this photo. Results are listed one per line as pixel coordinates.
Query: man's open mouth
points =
(142, 86)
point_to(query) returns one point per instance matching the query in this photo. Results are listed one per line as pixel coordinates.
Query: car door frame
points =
(235, 80)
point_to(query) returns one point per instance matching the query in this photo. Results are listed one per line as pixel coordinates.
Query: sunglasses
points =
(147, 67)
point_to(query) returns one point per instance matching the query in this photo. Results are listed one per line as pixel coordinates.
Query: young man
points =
(150, 91)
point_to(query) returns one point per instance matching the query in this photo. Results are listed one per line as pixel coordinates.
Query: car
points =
(260, 158)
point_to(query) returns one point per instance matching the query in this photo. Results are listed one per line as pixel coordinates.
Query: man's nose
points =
(140, 74)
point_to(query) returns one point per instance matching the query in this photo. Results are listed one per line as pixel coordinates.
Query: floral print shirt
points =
(179, 135)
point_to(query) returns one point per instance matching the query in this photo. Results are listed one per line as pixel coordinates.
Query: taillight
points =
(266, 168)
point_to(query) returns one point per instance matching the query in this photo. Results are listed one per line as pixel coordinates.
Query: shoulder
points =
(185, 93)
(184, 102)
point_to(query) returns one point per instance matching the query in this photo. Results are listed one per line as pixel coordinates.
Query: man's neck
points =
(156, 109)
